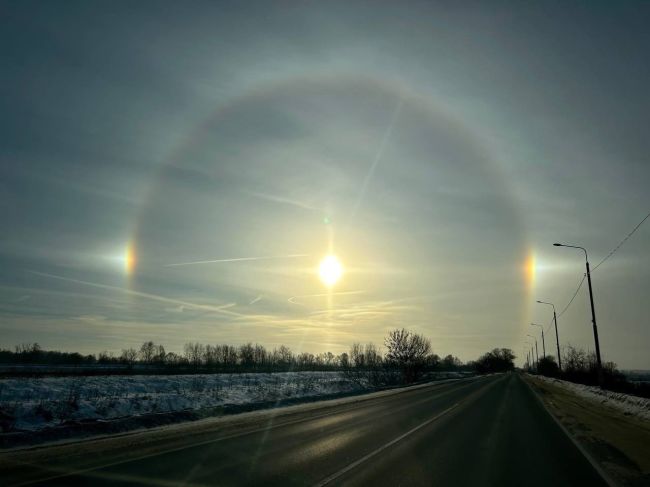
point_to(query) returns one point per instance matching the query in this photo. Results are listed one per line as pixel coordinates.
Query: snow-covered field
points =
(32, 404)
(632, 405)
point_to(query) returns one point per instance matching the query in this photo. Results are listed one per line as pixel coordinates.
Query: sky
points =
(437, 149)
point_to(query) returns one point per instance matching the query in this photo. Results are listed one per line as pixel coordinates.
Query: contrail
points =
(292, 298)
(155, 297)
(380, 152)
(239, 259)
(283, 200)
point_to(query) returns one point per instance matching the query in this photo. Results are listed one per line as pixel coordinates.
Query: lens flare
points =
(330, 270)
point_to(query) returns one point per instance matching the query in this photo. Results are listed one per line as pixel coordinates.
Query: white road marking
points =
(382, 448)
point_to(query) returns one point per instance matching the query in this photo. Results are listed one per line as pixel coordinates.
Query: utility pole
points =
(557, 338)
(593, 311)
(557, 342)
(536, 351)
(593, 320)
(530, 354)
(543, 342)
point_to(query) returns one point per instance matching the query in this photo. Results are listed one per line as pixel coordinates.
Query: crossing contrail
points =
(238, 259)
(155, 297)
(378, 154)
(342, 293)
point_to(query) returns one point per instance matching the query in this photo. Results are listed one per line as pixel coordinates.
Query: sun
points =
(330, 270)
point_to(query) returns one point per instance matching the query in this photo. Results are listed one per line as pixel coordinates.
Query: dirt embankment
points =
(619, 442)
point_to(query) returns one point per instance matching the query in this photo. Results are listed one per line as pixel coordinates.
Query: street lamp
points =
(522, 356)
(557, 338)
(543, 342)
(536, 351)
(532, 356)
(593, 312)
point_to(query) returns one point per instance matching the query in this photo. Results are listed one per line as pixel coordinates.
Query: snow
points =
(36, 403)
(39, 402)
(626, 403)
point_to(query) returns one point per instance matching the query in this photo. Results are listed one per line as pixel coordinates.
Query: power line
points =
(612, 252)
(622, 242)
(550, 323)
(574, 295)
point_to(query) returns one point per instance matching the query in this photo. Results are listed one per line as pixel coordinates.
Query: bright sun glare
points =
(330, 270)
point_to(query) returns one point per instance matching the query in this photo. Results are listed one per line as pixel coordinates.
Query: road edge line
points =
(271, 411)
(363, 459)
(604, 475)
(228, 437)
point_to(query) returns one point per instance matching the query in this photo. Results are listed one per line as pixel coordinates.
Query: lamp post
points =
(530, 354)
(593, 312)
(526, 360)
(536, 350)
(543, 342)
(557, 338)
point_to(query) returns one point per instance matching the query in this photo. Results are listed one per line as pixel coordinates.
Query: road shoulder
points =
(94, 428)
(35, 462)
(619, 443)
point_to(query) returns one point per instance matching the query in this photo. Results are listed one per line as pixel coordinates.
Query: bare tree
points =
(159, 355)
(343, 360)
(306, 360)
(260, 356)
(328, 359)
(451, 362)
(129, 356)
(283, 356)
(372, 356)
(357, 357)
(105, 357)
(408, 351)
(246, 354)
(147, 351)
(194, 353)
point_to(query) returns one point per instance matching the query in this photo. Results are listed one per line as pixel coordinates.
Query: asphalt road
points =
(486, 431)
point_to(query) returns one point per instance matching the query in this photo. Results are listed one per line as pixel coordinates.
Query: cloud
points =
(205, 307)
(284, 200)
(239, 259)
(293, 299)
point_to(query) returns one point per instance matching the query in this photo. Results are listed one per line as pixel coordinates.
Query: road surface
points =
(485, 431)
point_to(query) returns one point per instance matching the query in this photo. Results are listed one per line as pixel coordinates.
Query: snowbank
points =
(630, 405)
(35, 403)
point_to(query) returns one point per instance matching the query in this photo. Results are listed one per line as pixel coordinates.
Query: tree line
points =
(581, 366)
(405, 357)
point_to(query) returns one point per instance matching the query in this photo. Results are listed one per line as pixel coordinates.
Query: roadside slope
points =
(31, 464)
(619, 442)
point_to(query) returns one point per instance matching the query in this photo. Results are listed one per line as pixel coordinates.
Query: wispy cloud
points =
(155, 297)
(293, 299)
(378, 154)
(283, 200)
(238, 259)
